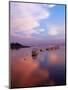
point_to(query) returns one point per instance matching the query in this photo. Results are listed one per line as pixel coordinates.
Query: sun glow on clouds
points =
(54, 30)
(51, 6)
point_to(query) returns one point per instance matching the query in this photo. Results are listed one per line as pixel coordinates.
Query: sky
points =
(33, 23)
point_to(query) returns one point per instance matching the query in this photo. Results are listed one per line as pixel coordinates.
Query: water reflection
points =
(53, 58)
(46, 68)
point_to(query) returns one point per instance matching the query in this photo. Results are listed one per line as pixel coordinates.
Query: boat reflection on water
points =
(52, 56)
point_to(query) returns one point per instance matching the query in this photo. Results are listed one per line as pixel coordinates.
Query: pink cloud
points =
(25, 17)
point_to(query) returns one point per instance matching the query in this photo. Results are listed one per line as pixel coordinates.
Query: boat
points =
(35, 52)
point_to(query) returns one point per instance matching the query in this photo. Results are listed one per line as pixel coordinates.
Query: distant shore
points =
(17, 46)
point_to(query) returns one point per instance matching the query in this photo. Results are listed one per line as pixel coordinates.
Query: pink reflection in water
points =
(53, 58)
(25, 72)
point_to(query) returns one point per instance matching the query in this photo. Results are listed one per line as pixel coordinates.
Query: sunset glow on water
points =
(48, 68)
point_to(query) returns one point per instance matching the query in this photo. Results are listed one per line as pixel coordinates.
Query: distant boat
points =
(35, 52)
(52, 47)
(41, 50)
(57, 47)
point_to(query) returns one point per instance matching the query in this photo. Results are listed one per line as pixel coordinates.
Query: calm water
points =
(45, 69)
